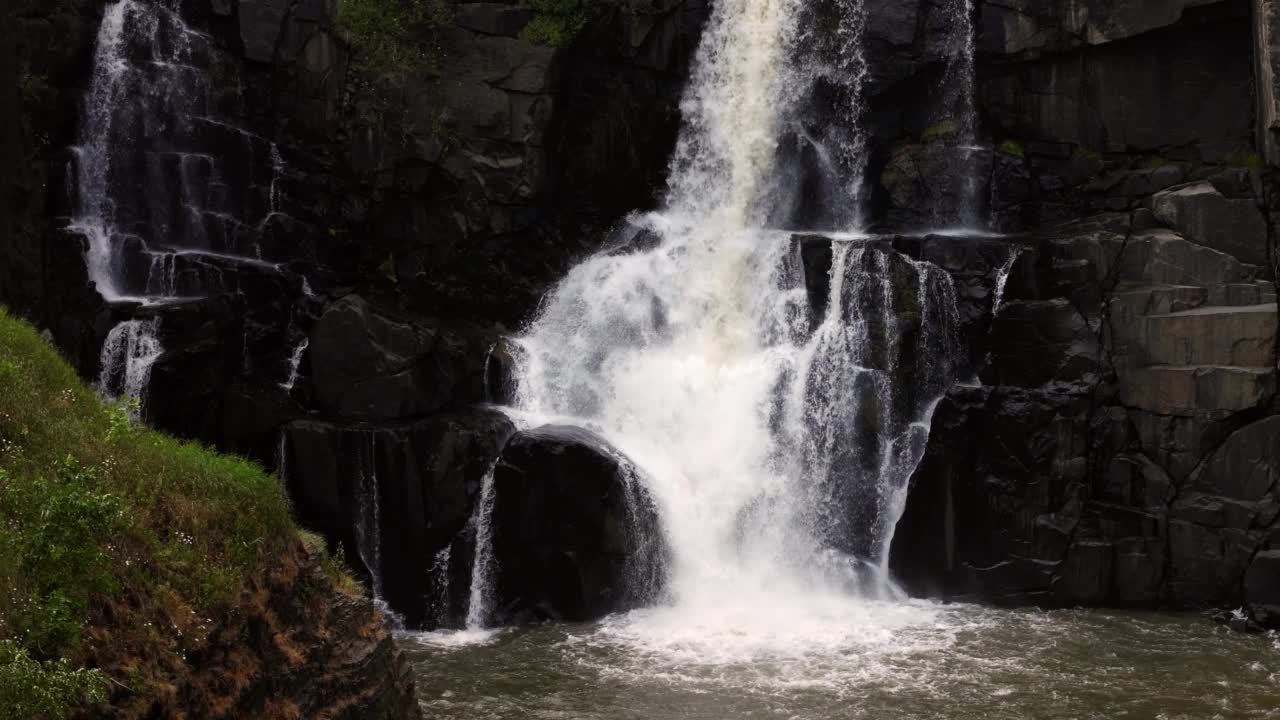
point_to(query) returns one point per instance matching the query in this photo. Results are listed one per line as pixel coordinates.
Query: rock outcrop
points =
(1124, 456)
(575, 533)
(291, 646)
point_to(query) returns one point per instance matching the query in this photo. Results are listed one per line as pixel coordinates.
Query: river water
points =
(912, 660)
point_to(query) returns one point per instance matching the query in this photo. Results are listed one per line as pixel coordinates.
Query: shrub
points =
(31, 690)
(54, 533)
(555, 22)
(392, 35)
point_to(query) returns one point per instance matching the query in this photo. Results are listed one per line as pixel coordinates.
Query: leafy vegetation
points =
(556, 22)
(1013, 148)
(105, 522)
(392, 35)
(31, 689)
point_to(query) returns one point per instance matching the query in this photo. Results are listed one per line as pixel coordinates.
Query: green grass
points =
(96, 509)
(392, 35)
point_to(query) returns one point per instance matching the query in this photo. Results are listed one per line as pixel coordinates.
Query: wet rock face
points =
(1121, 450)
(397, 497)
(575, 534)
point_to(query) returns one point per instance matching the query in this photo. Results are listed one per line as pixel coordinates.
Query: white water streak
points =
(295, 363)
(128, 353)
(481, 593)
(697, 358)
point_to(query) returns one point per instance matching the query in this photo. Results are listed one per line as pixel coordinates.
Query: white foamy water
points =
(124, 364)
(900, 661)
(775, 438)
(295, 364)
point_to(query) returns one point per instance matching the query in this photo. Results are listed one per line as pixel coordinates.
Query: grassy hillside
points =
(119, 547)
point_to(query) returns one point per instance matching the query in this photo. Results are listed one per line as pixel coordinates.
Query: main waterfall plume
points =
(777, 436)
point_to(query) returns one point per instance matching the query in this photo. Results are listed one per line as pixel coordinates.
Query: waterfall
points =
(959, 80)
(776, 444)
(481, 592)
(295, 362)
(128, 353)
(136, 162)
(1002, 279)
(161, 184)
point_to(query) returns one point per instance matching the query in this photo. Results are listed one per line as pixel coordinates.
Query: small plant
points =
(555, 23)
(31, 690)
(56, 531)
(1013, 148)
(940, 130)
(333, 565)
(392, 35)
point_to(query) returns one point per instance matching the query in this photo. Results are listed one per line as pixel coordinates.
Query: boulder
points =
(1247, 465)
(367, 365)
(1262, 588)
(395, 497)
(575, 532)
(1202, 214)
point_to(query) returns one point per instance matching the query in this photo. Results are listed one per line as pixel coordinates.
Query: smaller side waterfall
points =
(481, 594)
(128, 353)
(1002, 279)
(959, 81)
(295, 362)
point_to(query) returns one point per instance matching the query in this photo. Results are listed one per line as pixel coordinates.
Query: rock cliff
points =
(1115, 449)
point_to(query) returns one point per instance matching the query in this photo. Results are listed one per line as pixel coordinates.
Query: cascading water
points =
(479, 595)
(958, 81)
(777, 443)
(161, 185)
(128, 353)
(295, 364)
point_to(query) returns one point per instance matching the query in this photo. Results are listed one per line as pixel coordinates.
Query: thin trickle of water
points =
(959, 80)
(295, 363)
(480, 597)
(438, 575)
(368, 521)
(274, 200)
(128, 353)
(1002, 279)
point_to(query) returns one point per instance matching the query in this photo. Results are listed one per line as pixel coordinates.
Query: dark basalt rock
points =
(575, 533)
(415, 483)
